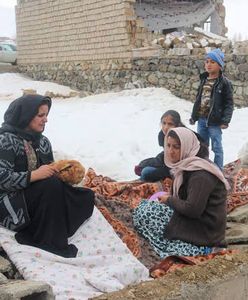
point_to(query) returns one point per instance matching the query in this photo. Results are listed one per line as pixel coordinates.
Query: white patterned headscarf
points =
(190, 146)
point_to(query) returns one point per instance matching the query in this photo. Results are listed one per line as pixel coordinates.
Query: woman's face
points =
(173, 149)
(167, 123)
(37, 124)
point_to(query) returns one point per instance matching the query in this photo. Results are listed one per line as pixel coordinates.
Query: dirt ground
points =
(169, 286)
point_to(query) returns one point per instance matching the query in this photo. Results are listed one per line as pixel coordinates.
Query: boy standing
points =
(213, 107)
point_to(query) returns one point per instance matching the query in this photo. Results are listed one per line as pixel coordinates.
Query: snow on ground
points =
(112, 132)
(11, 86)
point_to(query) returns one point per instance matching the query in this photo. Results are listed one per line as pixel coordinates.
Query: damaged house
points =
(99, 45)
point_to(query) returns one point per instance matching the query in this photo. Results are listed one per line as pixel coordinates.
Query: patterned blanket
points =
(238, 179)
(129, 192)
(116, 201)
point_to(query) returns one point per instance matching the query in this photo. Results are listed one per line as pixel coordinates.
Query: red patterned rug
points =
(116, 201)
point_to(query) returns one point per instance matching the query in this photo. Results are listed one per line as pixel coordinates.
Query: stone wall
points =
(179, 74)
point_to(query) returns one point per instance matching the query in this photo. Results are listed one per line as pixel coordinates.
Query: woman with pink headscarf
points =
(193, 219)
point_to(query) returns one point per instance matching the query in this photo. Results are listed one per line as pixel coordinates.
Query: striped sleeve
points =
(9, 179)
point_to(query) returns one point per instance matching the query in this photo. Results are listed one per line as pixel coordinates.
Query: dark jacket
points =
(221, 101)
(161, 171)
(157, 161)
(200, 211)
(15, 177)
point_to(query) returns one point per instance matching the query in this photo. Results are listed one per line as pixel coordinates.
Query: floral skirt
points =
(150, 220)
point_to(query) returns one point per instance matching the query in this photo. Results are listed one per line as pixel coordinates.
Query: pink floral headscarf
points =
(190, 146)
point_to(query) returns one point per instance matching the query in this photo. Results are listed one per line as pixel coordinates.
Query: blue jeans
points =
(213, 133)
(145, 171)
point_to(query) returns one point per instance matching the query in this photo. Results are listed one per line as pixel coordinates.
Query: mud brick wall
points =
(50, 31)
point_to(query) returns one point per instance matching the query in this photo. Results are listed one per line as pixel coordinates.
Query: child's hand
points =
(223, 126)
(191, 121)
(137, 170)
(163, 198)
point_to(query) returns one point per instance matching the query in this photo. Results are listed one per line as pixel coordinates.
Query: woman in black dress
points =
(43, 210)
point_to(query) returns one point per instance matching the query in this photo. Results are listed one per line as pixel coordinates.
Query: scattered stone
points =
(20, 289)
(161, 41)
(131, 294)
(236, 233)
(167, 44)
(59, 95)
(203, 43)
(189, 46)
(196, 44)
(5, 265)
(152, 79)
(83, 94)
(134, 85)
(29, 92)
(200, 39)
(179, 272)
(3, 279)
(73, 94)
(192, 276)
(228, 257)
(239, 215)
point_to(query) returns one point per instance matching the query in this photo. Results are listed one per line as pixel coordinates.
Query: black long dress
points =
(56, 211)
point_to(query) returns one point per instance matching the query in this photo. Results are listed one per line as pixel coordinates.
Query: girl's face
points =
(167, 123)
(173, 149)
(37, 124)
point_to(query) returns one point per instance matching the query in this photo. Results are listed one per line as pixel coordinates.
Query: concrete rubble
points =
(19, 289)
(197, 42)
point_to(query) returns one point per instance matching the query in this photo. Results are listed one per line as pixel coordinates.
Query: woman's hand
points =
(163, 198)
(44, 171)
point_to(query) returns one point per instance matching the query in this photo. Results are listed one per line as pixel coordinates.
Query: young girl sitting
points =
(154, 169)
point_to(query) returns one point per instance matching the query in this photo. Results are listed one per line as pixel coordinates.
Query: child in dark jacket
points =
(153, 169)
(213, 107)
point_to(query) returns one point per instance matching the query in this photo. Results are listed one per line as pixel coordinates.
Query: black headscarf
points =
(21, 112)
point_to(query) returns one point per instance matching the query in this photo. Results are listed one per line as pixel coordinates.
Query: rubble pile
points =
(196, 43)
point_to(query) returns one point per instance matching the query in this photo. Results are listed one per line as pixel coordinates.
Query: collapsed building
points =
(169, 15)
(99, 45)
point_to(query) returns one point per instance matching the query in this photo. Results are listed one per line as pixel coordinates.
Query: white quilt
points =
(103, 263)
